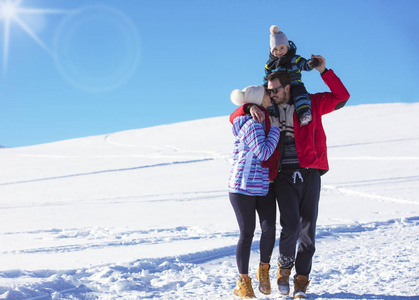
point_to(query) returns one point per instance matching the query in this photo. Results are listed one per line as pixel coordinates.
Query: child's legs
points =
(301, 99)
(245, 208)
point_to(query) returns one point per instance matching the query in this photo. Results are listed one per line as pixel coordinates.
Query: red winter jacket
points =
(310, 140)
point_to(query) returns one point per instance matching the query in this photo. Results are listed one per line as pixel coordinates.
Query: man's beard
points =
(280, 100)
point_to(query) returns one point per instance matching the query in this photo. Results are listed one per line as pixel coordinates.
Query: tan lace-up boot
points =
(244, 288)
(300, 286)
(283, 280)
(262, 275)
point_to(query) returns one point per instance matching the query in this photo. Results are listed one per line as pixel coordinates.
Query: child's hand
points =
(313, 62)
(322, 63)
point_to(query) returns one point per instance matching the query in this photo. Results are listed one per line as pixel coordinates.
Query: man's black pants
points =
(298, 193)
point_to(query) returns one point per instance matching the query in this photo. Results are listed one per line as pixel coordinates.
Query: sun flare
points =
(8, 10)
(12, 12)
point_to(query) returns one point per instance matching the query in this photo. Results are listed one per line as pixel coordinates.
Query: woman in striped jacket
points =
(249, 190)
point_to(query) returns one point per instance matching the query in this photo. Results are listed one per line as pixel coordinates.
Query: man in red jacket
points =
(303, 159)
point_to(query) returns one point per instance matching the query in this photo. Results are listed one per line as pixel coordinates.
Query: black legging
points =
(245, 208)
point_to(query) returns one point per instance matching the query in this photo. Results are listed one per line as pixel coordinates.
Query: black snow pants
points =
(298, 193)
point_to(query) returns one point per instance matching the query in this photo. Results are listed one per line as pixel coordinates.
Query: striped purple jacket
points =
(251, 147)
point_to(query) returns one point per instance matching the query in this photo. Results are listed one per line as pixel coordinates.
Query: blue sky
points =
(76, 68)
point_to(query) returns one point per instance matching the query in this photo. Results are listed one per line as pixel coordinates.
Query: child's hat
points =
(277, 37)
(251, 94)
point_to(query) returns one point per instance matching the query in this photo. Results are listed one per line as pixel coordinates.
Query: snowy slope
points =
(144, 214)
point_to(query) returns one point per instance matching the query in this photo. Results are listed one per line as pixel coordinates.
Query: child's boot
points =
(305, 118)
(244, 288)
(300, 286)
(262, 275)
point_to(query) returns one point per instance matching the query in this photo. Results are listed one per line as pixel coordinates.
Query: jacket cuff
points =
(325, 70)
(246, 108)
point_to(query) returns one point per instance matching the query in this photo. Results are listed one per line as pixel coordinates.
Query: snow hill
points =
(145, 214)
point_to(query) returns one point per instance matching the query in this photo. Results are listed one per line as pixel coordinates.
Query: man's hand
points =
(322, 63)
(257, 114)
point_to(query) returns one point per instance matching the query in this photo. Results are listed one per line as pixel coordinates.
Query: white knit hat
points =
(277, 38)
(251, 94)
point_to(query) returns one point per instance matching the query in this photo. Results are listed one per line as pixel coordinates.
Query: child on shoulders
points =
(283, 57)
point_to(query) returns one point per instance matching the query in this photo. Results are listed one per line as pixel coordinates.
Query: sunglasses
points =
(275, 90)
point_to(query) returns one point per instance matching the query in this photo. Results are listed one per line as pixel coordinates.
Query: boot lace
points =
(264, 274)
(248, 287)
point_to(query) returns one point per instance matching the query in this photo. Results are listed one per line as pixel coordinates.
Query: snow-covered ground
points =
(145, 214)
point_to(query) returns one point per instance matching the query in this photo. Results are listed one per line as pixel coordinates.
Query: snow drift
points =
(144, 214)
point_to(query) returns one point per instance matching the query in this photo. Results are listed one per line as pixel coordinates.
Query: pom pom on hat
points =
(277, 37)
(237, 97)
(274, 29)
(251, 94)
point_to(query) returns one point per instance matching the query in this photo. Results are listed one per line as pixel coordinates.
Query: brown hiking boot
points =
(300, 286)
(262, 275)
(244, 288)
(283, 280)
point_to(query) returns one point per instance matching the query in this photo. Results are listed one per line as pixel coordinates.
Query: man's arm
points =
(238, 112)
(339, 95)
(248, 108)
